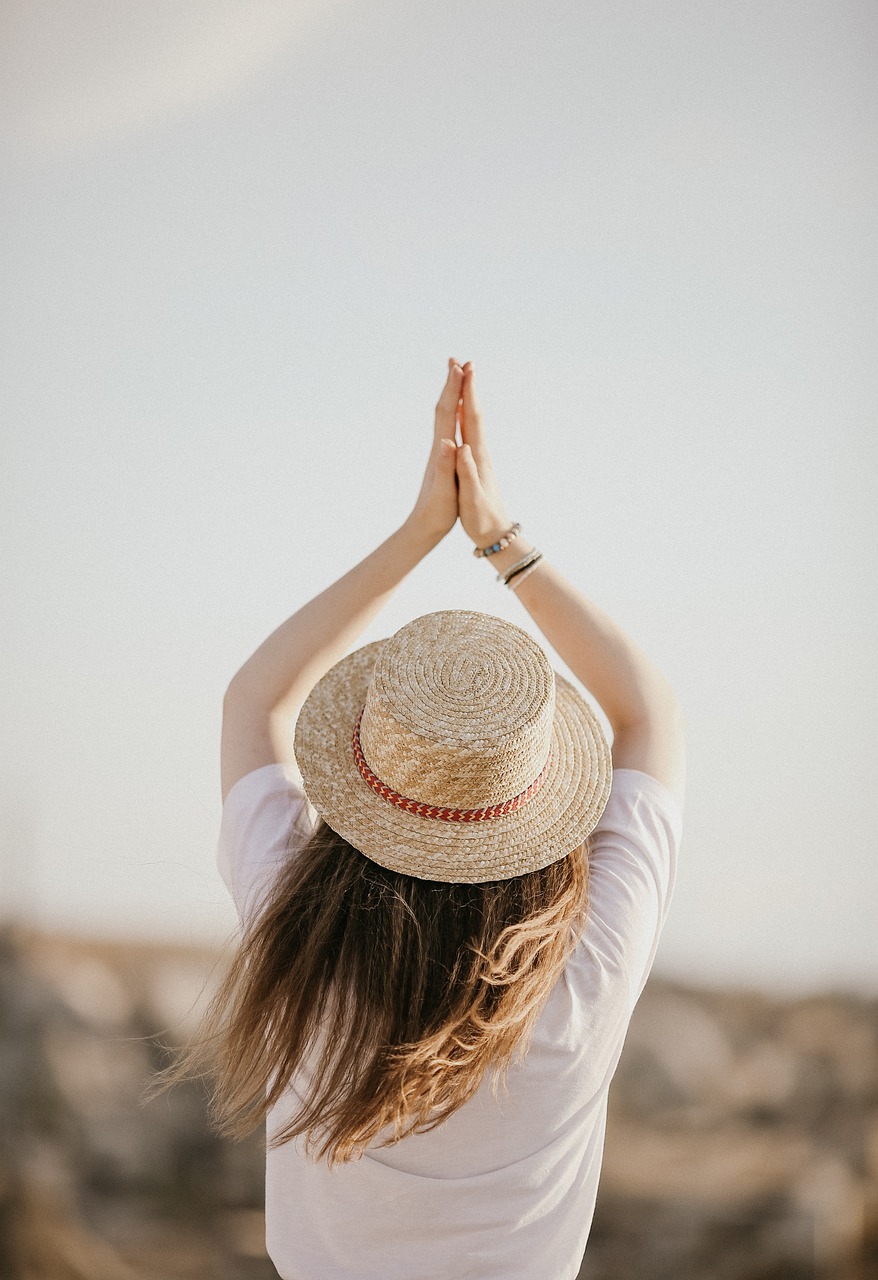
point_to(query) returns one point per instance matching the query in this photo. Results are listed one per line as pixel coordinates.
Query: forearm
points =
(280, 674)
(638, 701)
(626, 683)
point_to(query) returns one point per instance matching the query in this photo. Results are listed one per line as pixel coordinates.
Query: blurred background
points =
(241, 240)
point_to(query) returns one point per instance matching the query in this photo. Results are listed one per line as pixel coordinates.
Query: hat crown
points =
(459, 710)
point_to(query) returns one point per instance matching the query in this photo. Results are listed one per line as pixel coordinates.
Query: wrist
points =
(500, 561)
(418, 537)
(491, 532)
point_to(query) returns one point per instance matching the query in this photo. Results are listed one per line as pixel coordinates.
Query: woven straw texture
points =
(459, 710)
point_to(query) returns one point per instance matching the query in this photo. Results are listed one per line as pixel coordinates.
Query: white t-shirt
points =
(505, 1189)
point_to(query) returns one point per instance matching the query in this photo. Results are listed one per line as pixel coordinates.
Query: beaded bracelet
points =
(518, 566)
(525, 573)
(501, 544)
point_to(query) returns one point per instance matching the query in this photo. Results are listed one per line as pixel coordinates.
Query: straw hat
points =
(453, 751)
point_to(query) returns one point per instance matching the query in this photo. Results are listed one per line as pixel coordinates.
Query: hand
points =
(435, 511)
(482, 510)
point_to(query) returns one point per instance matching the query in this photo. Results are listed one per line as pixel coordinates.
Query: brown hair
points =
(399, 992)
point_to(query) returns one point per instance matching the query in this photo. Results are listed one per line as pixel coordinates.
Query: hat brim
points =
(555, 821)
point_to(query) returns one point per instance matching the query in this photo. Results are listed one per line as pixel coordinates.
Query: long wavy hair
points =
(398, 993)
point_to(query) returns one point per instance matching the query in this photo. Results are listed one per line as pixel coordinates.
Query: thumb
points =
(467, 470)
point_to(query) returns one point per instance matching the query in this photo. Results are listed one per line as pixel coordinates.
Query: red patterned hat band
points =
(436, 811)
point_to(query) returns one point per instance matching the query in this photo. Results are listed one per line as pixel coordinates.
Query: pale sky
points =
(241, 241)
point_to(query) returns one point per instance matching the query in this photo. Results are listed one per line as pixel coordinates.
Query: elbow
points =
(231, 692)
(245, 690)
(653, 741)
(236, 692)
(677, 719)
(656, 703)
(674, 708)
(668, 712)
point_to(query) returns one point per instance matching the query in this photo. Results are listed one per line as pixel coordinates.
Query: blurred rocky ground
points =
(742, 1141)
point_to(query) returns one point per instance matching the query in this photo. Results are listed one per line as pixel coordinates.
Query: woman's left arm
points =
(264, 697)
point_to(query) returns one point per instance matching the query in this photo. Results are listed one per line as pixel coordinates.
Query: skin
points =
(264, 697)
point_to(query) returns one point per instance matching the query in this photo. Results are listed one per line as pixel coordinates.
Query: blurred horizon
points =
(738, 1131)
(242, 241)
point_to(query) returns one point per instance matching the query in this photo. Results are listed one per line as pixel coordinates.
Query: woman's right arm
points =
(639, 703)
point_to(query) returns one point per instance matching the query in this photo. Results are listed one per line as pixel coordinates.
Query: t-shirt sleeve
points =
(632, 873)
(266, 817)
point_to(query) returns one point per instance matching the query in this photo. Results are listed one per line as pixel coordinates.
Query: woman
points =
(448, 923)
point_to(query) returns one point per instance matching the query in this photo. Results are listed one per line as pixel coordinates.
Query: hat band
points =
(435, 811)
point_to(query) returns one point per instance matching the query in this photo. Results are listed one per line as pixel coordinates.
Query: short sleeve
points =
(632, 873)
(266, 816)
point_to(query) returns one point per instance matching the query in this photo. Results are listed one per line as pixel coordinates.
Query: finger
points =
(447, 454)
(467, 471)
(471, 429)
(445, 423)
(452, 382)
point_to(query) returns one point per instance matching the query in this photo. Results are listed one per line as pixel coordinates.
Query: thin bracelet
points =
(519, 564)
(501, 544)
(525, 573)
(519, 572)
(537, 555)
(506, 574)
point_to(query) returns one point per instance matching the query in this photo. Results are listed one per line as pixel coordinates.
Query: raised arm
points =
(264, 696)
(638, 701)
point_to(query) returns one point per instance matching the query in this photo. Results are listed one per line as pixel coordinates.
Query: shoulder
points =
(266, 816)
(636, 841)
(640, 801)
(633, 856)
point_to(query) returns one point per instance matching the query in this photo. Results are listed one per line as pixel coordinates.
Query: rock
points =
(176, 992)
(679, 1046)
(46, 1239)
(834, 1199)
(742, 1136)
(732, 1164)
(840, 1034)
(761, 1080)
(89, 988)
